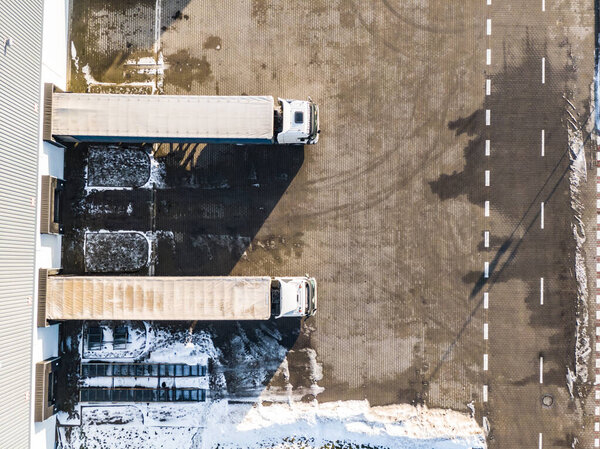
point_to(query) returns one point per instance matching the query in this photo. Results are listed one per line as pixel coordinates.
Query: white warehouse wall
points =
(51, 162)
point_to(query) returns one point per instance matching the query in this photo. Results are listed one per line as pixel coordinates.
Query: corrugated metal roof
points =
(20, 68)
(157, 298)
(164, 117)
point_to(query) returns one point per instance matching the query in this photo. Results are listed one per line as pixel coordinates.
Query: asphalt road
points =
(539, 87)
(388, 210)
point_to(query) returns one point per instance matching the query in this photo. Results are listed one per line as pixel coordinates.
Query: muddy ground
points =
(387, 210)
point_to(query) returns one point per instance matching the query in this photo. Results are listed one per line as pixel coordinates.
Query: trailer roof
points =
(162, 117)
(157, 298)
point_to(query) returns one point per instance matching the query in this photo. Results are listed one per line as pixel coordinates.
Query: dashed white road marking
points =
(488, 27)
(543, 142)
(488, 117)
(486, 208)
(487, 147)
(487, 178)
(489, 2)
(540, 441)
(541, 369)
(543, 5)
(486, 300)
(542, 215)
(488, 87)
(157, 31)
(485, 393)
(597, 442)
(486, 239)
(488, 56)
(485, 362)
(543, 70)
(485, 331)
(486, 270)
(542, 291)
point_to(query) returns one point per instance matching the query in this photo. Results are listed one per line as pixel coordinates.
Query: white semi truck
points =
(64, 297)
(83, 117)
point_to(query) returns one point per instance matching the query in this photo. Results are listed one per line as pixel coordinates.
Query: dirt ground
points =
(387, 210)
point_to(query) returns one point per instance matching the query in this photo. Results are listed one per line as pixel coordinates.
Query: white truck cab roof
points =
(298, 296)
(300, 122)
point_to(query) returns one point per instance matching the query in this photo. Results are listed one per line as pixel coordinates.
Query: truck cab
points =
(300, 122)
(297, 296)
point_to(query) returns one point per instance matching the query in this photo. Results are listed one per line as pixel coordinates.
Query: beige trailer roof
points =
(151, 117)
(157, 298)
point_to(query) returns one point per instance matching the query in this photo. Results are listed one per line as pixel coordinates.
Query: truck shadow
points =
(202, 207)
(217, 198)
(205, 210)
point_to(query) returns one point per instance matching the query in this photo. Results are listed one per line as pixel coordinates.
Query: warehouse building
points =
(33, 50)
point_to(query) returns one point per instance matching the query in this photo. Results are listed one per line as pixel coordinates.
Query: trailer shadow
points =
(204, 211)
(201, 209)
(216, 200)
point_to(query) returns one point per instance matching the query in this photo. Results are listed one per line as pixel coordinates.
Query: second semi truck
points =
(82, 117)
(175, 298)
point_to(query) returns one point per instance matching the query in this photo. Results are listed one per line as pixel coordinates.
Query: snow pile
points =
(355, 422)
(349, 424)
(577, 176)
(192, 349)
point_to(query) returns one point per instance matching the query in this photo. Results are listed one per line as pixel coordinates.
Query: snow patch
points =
(296, 425)
(91, 81)
(191, 349)
(577, 176)
(157, 175)
(74, 55)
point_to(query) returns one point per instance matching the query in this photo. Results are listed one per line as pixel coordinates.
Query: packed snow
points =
(578, 176)
(222, 424)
